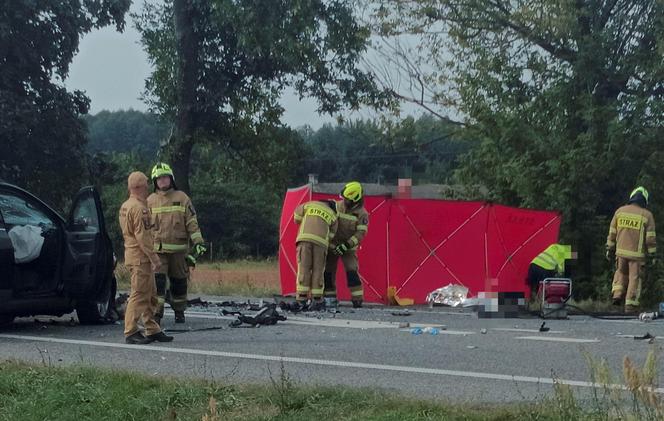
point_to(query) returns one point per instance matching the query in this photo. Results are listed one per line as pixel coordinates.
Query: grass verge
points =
(30, 392)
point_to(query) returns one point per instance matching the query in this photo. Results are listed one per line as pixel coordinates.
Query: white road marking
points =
(440, 332)
(510, 329)
(544, 338)
(327, 363)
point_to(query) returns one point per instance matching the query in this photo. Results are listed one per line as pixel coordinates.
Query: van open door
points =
(88, 268)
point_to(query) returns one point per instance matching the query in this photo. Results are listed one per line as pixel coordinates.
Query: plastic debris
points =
(416, 331)
(450, 295)
(648, 317)
(483, 331)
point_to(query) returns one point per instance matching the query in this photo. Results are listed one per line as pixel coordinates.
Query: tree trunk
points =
(181, 143)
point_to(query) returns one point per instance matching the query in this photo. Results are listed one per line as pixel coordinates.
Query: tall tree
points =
(43, 139)
(565, 97)
(221, 65)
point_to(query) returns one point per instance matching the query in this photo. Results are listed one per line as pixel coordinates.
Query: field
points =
(255, 278)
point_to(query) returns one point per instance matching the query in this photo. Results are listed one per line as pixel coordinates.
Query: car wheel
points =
(98, 311)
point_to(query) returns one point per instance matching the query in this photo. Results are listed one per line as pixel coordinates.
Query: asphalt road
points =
(512, 361)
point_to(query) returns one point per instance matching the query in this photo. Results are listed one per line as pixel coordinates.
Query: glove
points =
(340, 249)
(191, 260)
(199, 249)
(610, 255)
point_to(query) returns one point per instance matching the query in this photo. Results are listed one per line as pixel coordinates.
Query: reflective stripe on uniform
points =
(348, 216)
(196, 235)
(168, 209)
(545, 261)
(612, 230)
(650, 234)
(353, 241)
(302, 288)
(652, 250)
(632, 302)
(611, 244)
(629, 253)
(170, 247)
(297, 217)
(314, 238)
(316, 291)
(362, 228)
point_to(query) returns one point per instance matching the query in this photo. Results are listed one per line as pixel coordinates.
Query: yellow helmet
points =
(352, 191)
(639, 190)
(160, 170)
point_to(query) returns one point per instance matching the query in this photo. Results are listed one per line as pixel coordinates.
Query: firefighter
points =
(175, 227)
(141, 261)
(631, 239)
(549, 264)
(353, 226)
(318, 225)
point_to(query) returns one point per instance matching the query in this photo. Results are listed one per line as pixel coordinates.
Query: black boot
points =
(137, 338)
(179, 317)
(160, 337)
(357, 303)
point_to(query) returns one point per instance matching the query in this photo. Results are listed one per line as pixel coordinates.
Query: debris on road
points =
(450, 295)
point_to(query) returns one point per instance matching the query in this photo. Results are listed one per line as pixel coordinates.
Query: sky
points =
(111, 68)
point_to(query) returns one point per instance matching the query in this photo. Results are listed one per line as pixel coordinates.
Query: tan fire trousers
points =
(628, 277)
(142, 301)
(310, 267)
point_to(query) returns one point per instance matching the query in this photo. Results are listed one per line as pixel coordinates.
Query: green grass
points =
(31, 392)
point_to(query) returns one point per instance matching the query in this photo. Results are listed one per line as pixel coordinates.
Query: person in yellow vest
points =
(175, 227)
(631, 239)
(353, 226)
(318, 225)
(550, 263)
(141, 261)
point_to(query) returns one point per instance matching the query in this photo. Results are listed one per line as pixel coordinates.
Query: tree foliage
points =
(221, 66)
(381, 151)
(565, 99)
(125, 131)
(39, 126)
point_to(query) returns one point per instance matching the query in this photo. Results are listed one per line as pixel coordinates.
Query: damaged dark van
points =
(50, 265)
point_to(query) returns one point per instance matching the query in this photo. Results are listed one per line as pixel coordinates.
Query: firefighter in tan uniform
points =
(631, 239)
(353, 226)
(318, 224)
(141, 261)
(175, 227)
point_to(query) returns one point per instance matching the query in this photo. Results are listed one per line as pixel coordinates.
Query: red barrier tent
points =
(419, 245)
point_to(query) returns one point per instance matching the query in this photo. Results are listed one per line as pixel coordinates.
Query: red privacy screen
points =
(418, 245)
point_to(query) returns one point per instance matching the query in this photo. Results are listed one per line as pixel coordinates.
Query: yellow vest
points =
(553, 258)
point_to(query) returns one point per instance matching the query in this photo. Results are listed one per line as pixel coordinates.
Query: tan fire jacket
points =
(135, 224)
(174, 221)
(353, 225)
(632, 232)
(318, 223)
